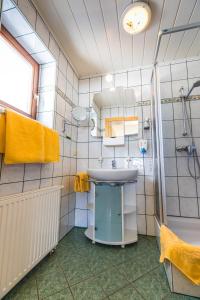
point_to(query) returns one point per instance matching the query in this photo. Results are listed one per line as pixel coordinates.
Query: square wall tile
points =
(150, 225)
(81, 217)
(32, 171)
(178, 112)
(28, 11)
(11, 188)
(141, 204)
(169, 147)
(165, 73)
(81, 200)
(140, 185)
(32, 43)
(134, 78)
(167, 111)
(64, 206)
(146, 76)
(179, 71)
(84, 100)
(149, 186)
(121, 80)
(53, 47)
(31, 185)
(84, 86)
(12, 173)
(182, 164)
(7, 4)
(193, 68)
(141, 224)
(95, 84)
(172, 204)
(165, 90)
(62, 64)
(171, 186)
(82, 150)
(168, 129)
(189, 207)
(42, 30)
(176, 85)
(15, 23)
(82, 165)
(146, 92)
(94, 149)
(187, 187)
(195, 108)
(170, 166)
(70, 74)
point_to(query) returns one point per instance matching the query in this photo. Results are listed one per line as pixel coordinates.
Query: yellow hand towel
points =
(24, 140)
(51, 145)
(81, 183)
(2, 132)
(184, 256)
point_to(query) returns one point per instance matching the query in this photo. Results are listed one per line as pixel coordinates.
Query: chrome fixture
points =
(195, 85)
(114, 164)
(191, 149)
(146, 124)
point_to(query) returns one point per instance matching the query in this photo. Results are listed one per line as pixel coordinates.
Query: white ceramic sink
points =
(113, 174)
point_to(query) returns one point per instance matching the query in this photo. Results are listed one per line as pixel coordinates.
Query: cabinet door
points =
(108, 219)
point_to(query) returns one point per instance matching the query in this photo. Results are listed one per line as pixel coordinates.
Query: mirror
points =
(111, 114)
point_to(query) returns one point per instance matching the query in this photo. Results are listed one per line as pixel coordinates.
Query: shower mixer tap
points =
(190, 149)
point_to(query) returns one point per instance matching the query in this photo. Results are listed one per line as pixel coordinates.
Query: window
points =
(18, 76)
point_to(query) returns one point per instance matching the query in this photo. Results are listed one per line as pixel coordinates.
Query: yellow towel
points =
(51, 145)
(24, 140)
(81, 183)
(184, 256)
(2, 132)
(108, 123)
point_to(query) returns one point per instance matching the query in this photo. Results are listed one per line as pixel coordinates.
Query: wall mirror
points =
(111, 115)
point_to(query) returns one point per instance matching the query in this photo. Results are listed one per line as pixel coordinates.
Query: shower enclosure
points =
(176, 122)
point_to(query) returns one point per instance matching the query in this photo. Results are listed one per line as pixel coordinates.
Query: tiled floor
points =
(82, 271)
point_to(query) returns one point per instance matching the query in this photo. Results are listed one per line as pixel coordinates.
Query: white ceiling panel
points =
(90, 32)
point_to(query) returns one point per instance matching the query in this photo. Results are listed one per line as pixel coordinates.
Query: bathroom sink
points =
(113, 174)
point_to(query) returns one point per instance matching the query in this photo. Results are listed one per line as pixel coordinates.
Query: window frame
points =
(14, 43)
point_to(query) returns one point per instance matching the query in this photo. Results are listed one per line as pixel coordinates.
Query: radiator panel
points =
(29, 230)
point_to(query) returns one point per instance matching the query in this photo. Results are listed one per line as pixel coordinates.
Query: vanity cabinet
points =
(112, 215)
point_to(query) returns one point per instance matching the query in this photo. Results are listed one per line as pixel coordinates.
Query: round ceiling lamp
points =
(136, 17)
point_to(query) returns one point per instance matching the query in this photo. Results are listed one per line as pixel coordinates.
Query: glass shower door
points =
(108, 219)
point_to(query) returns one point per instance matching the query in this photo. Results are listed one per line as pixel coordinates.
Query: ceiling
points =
(90, 33)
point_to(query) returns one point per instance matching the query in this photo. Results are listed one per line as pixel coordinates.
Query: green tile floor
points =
(82, 271)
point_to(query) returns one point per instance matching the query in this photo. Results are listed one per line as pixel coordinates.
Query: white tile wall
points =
(89, 150)
(57, 82)
(182, 189)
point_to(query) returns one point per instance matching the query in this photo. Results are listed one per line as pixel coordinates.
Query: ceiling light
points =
(136, 17)
(109, 78)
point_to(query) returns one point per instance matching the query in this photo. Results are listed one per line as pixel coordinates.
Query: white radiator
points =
(29, 226)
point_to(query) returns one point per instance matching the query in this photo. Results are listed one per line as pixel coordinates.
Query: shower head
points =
(195, 85)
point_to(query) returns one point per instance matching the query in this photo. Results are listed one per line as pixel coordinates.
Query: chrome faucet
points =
(114, 165)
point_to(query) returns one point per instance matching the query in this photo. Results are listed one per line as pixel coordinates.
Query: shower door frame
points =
(155, 82)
